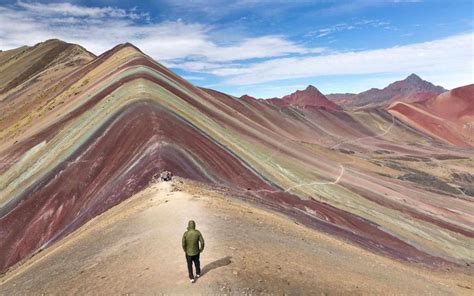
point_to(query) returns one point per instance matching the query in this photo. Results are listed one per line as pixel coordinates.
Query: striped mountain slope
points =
(103, 130)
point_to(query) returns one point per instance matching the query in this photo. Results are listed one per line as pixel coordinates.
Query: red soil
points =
(446, 116)
(310, 97)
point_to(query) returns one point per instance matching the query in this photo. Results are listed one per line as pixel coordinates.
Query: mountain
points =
(340, 98)
(447, 116)
(410, 89)
(99, 135)
(309, 97)
(32, 75)
(25, 63)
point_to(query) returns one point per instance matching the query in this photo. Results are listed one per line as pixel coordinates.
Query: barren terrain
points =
(135, 248)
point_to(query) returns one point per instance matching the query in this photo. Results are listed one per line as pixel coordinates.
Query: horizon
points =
(263, 49)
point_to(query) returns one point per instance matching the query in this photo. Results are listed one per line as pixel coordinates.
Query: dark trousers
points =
(197, 264)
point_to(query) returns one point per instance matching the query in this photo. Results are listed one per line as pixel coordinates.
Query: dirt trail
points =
(135, 248)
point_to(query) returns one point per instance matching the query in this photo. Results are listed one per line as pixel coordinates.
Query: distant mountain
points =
(340, 98)
(447, 116)
(309, 97)
(411, 89)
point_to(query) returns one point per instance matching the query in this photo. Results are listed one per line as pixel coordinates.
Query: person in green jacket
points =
(193, 245)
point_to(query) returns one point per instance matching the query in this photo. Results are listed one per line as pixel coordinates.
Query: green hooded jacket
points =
(191, 239)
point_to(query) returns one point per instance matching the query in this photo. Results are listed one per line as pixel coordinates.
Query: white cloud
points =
(343, 7)
(100, 28)
(68, 9)
(249, 61)
(347, 27)
(445, 57)
(197, 66)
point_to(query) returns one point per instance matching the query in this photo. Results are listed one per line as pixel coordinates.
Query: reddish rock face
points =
(454, 104)
(416, 97)
(446, 116)
(275, 101)
(310, 97)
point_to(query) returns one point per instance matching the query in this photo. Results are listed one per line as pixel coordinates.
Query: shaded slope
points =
(122, 118)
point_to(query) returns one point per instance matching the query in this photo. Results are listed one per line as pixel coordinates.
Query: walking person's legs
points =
(197, 264)
(189, 260)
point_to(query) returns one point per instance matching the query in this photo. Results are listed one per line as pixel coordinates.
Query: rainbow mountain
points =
(79, 134)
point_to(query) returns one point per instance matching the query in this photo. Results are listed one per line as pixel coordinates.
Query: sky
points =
(266, 48)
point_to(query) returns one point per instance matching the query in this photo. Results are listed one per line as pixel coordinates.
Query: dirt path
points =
(135, 248)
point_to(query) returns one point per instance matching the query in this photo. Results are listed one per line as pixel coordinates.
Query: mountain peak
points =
(412, 88)
(413, 77)
(413, 83)
(310, 97)
(311, 89)
(130, 45)
(53, 40)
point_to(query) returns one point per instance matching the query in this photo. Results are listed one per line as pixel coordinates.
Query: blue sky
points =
(266, 48)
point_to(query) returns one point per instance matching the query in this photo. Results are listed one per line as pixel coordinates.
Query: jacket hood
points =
(191, 225)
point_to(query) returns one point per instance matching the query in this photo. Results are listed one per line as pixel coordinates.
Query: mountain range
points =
(80, 134)
(410, 89)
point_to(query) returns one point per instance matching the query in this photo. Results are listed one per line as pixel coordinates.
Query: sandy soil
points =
(135, 248)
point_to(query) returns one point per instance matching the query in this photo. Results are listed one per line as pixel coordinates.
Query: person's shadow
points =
(216, 264)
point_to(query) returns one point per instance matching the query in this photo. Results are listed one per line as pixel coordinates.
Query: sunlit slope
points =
(124, 118)
(448, 117)
(31, 76)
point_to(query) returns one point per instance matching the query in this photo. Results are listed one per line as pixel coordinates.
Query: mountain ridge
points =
(310, 97)
(410, 89)
(109, 127)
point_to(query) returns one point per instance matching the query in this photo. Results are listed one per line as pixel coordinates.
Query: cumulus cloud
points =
(100, 28)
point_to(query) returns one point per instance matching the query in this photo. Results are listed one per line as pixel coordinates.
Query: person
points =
(166, 176)
(193, 245)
